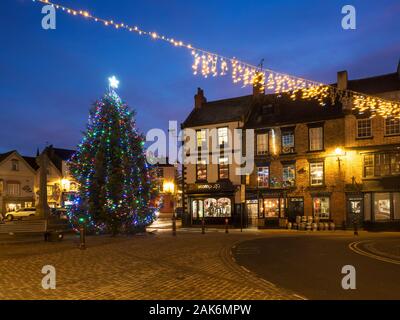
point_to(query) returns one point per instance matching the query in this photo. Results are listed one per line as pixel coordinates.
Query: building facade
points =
(19, 180)
(327, 162)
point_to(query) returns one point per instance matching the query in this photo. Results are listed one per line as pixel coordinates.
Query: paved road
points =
(310, 265)
(153, 267)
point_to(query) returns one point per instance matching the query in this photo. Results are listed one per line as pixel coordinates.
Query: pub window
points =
(201, 170)
(223, 168)
(13, 189)
(223, 136)
(382, 206)
(271, 208)
(262, 143)
(321, 207)
(14, 165)
(392, 126)
(316, 138)
(201, 139)
(369, 165)
(289, 175)
(263, 177)
(317, 173)
(287, 141)
(364, 128)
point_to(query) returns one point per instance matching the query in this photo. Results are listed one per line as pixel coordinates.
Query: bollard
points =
(203, 229)
(82, 245)
(173, 225)
(355, 229)
(226, 225)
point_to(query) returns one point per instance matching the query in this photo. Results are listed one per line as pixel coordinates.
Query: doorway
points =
(295, 208)
(355, 211)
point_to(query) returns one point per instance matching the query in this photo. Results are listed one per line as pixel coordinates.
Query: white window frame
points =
(263, 182)
(223, 136)
(316, 138)
(392, 126)
(316, 181)
(364, 128)
(262, 143)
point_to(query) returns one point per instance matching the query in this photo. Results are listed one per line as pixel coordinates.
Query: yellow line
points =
(354, 247)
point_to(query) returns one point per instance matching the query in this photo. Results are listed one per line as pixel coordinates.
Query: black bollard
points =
(173, 225)
(203, 229)
(226, 225)
(82, 245)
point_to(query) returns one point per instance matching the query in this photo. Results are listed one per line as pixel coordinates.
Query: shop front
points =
(211, 202)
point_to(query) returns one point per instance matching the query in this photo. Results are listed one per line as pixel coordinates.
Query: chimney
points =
(199, 98)
(342, 79)
(258, 86)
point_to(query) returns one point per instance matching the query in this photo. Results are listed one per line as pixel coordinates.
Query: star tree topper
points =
(113, 82)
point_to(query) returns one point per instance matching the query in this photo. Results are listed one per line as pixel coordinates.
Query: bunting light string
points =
(209, 64)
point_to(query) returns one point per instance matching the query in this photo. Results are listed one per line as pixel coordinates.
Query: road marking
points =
(354, 247)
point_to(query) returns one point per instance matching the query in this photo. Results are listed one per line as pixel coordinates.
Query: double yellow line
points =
(354, 246)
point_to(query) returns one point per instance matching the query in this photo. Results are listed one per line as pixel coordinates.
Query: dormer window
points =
(14, 165)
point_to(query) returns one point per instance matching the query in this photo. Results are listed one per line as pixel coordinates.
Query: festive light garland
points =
(212, 64)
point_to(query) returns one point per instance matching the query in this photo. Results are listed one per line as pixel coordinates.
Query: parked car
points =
(21, 213)
(60, 213)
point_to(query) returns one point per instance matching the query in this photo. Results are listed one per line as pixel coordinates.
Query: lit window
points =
(392, 126)
(50, 190)
(368, 165)
(287, 141)
(223, 136)
(321, 207)
(289, 175)
(201, 139)
(263, 176)
(14, 165)
(13, 189)
(316, 138)
(262, 143)
(223, 168)
(316, 173)
(364, 128)
(201, 170)
(382, 164)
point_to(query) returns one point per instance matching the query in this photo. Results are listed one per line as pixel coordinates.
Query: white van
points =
(21, 213)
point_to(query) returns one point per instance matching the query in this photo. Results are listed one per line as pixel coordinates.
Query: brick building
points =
(327, 162)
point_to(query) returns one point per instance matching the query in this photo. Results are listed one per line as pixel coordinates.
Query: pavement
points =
(152, 266)
(310, 264)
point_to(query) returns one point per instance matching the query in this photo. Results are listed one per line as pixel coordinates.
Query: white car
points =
(21, 213)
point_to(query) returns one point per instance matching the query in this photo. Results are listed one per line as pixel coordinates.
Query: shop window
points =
(392, 126)
(28, 205)
(217, 208)
(317, 173)
(223, 168)
(263, 177)
(197, 209)
(287, 141)
(321, 208)
(50, 191)
(262, 143)
(271, 208)
(13, 189)
(201, 139)
(382, 206)
(289, 175)
(364, 128)
(13, 207)
(201, 170)
(316, 138)
(222, 136)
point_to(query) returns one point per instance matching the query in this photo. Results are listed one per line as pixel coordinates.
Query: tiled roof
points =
(220, 111)
(57, 155)
(5, 155)
(374, 85)
(32, 162)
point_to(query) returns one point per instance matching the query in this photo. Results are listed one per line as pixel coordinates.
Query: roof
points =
(280, 109)
(378, 84)
(220, 111)
(32, 162)
(57, 155)
(3, 156)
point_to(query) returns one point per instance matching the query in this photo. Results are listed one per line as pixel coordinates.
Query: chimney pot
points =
(342, 80)
(199, 98)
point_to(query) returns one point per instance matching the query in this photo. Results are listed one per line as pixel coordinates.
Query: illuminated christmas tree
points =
(118, 188)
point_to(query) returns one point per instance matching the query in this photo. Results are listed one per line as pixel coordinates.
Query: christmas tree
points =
(118, 189)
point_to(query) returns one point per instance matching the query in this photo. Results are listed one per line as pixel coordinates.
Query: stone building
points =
(322, 161)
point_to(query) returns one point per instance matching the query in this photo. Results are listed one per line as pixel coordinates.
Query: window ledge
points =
(391, 135)
(364, 138)
(315, 151)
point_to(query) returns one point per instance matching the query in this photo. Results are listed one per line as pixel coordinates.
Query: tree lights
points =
(211, 64)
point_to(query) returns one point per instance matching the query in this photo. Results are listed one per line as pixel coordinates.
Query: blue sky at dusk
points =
(49, 79)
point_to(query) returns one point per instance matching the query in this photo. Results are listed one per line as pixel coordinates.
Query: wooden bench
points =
(50, 228)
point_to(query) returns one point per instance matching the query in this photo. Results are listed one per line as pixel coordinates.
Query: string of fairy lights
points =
(209, 64)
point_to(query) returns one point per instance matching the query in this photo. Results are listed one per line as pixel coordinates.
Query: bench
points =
(50, 228)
